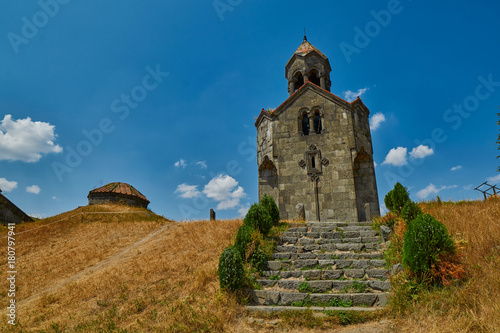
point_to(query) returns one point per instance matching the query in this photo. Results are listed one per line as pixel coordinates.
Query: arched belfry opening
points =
(298, 81)
(314, 78)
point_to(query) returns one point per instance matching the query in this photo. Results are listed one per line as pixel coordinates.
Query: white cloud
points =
(55, 198)
(244, 210)
(375, 164)
(224, 189)
(35, 189)
(468, 187)
(202, 164)
(421, 151)
(494, 179)
(352, 95)
(36, 216)
(26, 140)
(180, 163)
(187, 191)
(455, 168)
(396, 156)
(432, 189)
(376, 120)
(6, 185)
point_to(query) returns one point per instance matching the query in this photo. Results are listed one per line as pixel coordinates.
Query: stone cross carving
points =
(314, 163)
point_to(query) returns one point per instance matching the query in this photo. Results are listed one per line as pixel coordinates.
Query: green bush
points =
(268, 203)
(258, 259)
(388, 200)
(396, 198)
(424, 240)
(244, 239)
(410, 211)
(259, 218)
(231, 273)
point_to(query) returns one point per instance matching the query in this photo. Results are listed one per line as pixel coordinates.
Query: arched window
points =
(299, 81)
(314, 77)
(305, 124)
(317, 122)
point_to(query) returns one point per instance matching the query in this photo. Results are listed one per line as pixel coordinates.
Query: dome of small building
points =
(119, 193)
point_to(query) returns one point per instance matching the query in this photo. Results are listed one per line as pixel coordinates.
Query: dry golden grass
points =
(137, 275)
(473, 306)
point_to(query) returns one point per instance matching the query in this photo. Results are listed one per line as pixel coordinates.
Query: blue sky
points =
(163, 95)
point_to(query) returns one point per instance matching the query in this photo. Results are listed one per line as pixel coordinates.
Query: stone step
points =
(328, 286)
(282, 308)
(326, 256)
(323, 233)
(289, 264)
(339, 224)
(352, 269)
(275, 297)
(327, 238)
(329, 247)
(321, 228)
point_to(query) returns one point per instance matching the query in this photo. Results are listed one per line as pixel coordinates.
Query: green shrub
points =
(388, 200)
(258, 259)
(244, 238)
(259, 218)
(424, 240)
(231, 273)
(410, 211)
(268, 203)
(396, 198)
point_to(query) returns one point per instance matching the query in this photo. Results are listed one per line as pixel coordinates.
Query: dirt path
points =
(123, 254)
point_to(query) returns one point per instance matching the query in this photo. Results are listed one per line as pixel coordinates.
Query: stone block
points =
(333, 274)
(377, 263)
(377, 273)
(265, 297)
(320, 286)
(305, 263)
(361, 264)
(349, 247)
(354, 273)
(325, 263)
(341, 264)
(364, 299)
(289, 284)
(289, 298)
(312, 274)
(380, 285)
(274, 265)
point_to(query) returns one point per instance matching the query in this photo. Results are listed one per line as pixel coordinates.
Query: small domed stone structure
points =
(119, 193)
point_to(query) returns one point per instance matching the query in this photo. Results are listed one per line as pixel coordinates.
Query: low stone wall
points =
(103, 198)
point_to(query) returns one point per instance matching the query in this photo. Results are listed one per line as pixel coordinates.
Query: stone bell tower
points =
(315, 149)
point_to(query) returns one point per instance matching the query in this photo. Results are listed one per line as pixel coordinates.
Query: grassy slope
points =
(473, 306)
(169, 281)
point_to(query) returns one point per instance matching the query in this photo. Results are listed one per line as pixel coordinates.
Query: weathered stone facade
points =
(10, 213)
(316, 148)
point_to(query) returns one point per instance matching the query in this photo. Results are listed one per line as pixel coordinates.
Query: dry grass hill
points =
(138, 272)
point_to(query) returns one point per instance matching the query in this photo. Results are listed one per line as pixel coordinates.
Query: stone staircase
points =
(324, 266)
